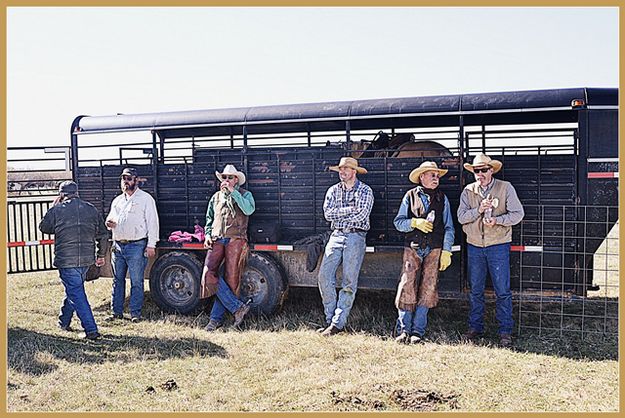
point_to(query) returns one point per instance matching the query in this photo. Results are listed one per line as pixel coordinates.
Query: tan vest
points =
(228, 226)
(478, 234)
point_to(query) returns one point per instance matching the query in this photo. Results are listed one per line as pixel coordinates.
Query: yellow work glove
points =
(445, 260)
(422, 225)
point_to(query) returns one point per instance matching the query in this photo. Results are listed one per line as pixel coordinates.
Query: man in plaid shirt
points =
(347, 206)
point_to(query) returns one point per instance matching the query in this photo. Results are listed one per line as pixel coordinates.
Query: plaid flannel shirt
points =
(347, 209)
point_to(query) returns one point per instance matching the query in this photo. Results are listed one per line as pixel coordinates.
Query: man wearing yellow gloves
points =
(425, 216)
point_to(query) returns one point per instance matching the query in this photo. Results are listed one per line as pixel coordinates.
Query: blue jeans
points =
(73, 279)
(128, 258)
(350, 250)
(495, 260)
(412, 322)
(225, 299)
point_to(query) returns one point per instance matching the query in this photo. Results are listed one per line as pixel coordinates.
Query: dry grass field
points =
(169, 363)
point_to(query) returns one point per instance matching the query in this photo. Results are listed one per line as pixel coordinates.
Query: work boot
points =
(240, 314)
(113, 317)
(212, 325)
(67, 328)
(331, 330)
(505, 340)
(323, 328)
(471, 335)
(92, 336)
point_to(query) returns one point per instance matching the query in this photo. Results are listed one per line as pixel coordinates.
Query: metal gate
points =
(28, 249)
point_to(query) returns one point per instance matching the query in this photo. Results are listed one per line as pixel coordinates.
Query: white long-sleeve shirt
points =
(136, 217)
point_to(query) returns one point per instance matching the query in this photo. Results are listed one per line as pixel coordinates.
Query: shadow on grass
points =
(374, 313)
(549, 328)
(27, 349)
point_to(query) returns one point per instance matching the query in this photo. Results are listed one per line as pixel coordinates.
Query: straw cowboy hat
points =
(351, 163)
(425, 166)
(229, 170)
(481, 160)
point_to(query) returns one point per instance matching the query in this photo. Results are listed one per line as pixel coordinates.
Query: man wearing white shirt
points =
(134, 222)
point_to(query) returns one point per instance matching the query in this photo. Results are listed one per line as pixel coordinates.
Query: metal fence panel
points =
(27, 247)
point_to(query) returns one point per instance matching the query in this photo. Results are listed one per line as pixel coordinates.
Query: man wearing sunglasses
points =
(488, 209)
(134, 222)
(226, 241)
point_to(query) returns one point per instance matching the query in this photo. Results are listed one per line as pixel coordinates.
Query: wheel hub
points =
(178, 285)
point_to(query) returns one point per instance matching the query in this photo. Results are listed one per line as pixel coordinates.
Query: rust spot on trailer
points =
(260, 181)
(260, 168)
(286, 166)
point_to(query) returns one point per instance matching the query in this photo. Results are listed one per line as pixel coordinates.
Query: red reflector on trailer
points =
(272, 247)
(602, 175)
(198, 245)
(265, 247)
(526, 248)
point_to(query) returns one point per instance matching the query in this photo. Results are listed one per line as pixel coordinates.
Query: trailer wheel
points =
(264, 282)
(175, 283)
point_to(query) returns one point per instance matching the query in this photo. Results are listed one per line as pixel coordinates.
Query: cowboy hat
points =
(229, 170)
(351, 163)
(482, 160)
(425, 166)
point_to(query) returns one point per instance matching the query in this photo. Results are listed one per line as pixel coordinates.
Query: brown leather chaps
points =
(234, 255)
(418, 284)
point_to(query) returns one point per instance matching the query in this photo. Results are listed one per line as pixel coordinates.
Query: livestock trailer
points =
(559, 149)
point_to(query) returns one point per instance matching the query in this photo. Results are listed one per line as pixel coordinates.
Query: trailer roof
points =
(532, 106)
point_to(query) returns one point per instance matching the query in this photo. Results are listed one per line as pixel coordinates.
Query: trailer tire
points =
(265, 283)
(175, 283)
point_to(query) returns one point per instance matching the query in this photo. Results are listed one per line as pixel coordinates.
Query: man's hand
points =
(485, 204)
(208, 242)
(491, 222)
(422, 225)
(111, 223)
(99, 261)
(150, 251)
(225, 185)
(445, 260)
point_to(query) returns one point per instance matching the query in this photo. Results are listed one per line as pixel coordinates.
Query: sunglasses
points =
(228, 177)
(126, 177)
(481, 170)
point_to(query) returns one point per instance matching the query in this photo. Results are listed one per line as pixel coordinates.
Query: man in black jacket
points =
(76, 226)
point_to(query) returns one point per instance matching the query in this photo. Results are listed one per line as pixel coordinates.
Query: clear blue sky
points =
(64, 62)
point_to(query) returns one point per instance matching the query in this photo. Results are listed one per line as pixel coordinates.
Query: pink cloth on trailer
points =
(183, 236)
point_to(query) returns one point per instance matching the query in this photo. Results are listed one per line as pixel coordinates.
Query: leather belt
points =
(130, 241)
(350, 230)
